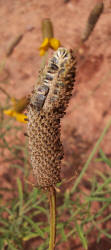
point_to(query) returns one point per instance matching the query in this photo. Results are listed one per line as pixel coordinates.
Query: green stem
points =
(91, 156)
(52, 197)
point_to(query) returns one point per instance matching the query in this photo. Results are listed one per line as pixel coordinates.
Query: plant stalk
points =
(52, 199)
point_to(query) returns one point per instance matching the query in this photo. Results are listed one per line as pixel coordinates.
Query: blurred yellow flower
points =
(52, 43)
(19, 116)
(18, 107)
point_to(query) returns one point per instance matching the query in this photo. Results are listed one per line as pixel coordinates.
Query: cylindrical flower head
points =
(47, 106)
(47, 28)
(92, 20)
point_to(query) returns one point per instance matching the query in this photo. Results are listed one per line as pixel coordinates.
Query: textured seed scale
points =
(47, 106)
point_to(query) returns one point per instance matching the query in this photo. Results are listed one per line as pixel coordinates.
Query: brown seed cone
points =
(47, 105)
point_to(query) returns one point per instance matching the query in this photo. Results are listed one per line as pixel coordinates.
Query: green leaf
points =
(30, 236)
(104, 158)
(20, 194)
(85, 167)
(64, 237)
(11, 246)
(99, 199)
(35, 226)
(81, 235)
(1, 244)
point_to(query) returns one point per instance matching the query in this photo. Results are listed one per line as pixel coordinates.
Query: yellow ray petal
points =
(54, 43)
(8, 112)
(45, 43)
(20, 117)
(42, 52)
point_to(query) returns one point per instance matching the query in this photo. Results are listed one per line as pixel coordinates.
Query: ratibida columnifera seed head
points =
(47, 106)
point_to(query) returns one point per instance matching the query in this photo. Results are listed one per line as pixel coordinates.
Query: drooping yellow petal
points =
(54, 43)
(42, 52)
(20, 117)
(45, 43)
(8, 112)
(44, 46)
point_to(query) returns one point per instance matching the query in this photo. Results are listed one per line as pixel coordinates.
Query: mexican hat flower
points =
(49, 41)
(17, 109)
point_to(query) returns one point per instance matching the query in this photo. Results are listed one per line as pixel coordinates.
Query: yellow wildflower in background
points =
(17, 108)
(19, 116)
(48, 37)
(52, 43)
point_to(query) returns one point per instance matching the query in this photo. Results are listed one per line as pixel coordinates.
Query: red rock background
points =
(90, 107)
